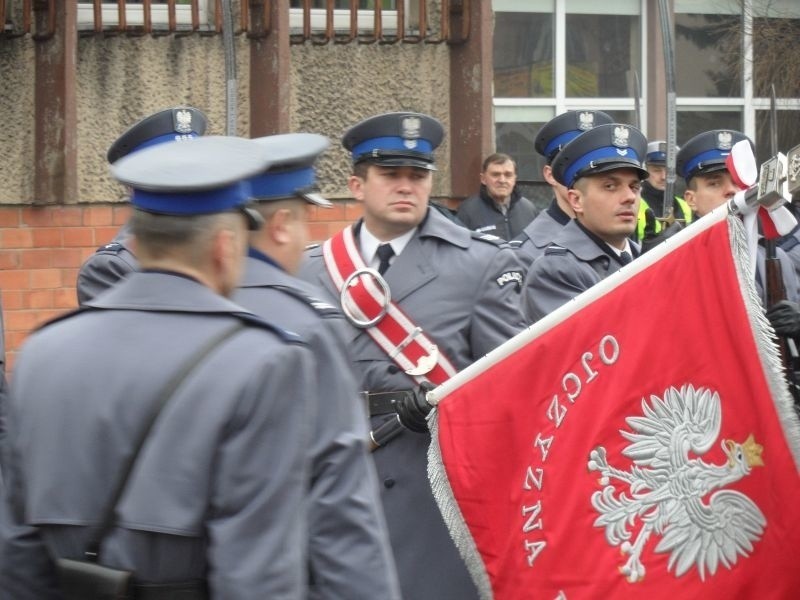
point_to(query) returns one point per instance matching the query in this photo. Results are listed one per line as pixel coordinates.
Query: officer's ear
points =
(575, 200)
(356, 186)
(689, 197)
(547, 172)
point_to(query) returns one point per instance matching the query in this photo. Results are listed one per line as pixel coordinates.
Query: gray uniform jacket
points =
(106, 266)
(574, 263)
(219, 488)
(464, 293)
(540, 233)
(569, 266)
(349, 547)
(790, 243)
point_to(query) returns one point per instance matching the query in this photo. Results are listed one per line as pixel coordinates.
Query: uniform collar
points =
(558, 214)
(368, 244)
(605, 247)
(163, 291)
(258, 255)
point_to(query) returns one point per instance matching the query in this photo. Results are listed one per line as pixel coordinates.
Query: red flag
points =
(637, 443)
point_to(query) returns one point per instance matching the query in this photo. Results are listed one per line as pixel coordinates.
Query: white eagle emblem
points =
(411, 131)
(585, 121)
(183, 121)
(621, 135)
(724, 140)
(668, 490)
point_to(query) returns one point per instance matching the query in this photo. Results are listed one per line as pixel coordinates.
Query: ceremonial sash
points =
(366, 301)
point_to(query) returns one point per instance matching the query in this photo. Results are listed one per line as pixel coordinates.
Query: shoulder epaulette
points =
(487, 237)
(555, 250)
(321, 307)
(112, 248)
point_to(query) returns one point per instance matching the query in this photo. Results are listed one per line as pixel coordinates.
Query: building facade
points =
(76, 73)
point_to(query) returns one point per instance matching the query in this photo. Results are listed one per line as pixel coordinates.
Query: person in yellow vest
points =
(651, 206)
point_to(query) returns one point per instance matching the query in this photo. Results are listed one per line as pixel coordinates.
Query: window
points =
(134, 13)
(555, 55)
(341, 15)
(729, 53)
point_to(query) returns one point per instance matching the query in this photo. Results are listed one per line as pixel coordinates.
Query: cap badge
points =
(183, 121)
(585, 121)
(724, 140)
(621, 135)
(411, 131)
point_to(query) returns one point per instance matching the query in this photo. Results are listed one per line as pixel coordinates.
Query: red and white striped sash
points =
(367, 303)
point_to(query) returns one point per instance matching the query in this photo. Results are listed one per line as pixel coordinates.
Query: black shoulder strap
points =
(109, 517)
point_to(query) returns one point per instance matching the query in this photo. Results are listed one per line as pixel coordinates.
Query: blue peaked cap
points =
(202, 176)
(173, 124)
(291, 171)
(562, 129)
(395, 139)
(707, 152)
(601, 149)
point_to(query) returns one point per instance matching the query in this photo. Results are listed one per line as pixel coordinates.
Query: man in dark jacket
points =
(499, 208)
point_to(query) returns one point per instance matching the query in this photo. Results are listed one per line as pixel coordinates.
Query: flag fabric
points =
(639, 442)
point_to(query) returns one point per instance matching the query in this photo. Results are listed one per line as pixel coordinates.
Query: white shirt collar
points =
(368, 244)
(619, 252)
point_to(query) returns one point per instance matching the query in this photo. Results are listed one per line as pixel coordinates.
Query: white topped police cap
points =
(656, 153)
(207, 175)
(562, 129)
(604, 148)
(395, 139)
(172, 124)
(291, 170)
(707, 152)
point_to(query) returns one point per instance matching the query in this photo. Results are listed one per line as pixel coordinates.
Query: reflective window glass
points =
(602, 54)
(523, 55)
(708, 54)
(773, 40)
(788, 126)
(692, 122)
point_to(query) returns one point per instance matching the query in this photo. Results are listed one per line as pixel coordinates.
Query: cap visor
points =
(316, 199)
(403, 162)
(613, 166)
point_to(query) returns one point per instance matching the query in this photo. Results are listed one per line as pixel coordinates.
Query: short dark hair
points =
(498, 158)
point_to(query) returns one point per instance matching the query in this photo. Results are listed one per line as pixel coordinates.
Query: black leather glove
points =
(414, 408)
(785, 318)
(651, 240)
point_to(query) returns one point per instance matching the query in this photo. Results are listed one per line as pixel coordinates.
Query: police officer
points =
(350, 556)
(498, 208)
(551, 138)
(117, 259)
(215, 503)
(651, 205)
(602, 170)
(701, 162)
(457, 290)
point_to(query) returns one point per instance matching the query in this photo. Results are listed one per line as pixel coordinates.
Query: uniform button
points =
(392, 369)
(388, 483)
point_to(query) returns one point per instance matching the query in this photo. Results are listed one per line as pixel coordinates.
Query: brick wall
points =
(41, 249)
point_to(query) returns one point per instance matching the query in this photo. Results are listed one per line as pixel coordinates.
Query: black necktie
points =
(625, 257)
(385, 253)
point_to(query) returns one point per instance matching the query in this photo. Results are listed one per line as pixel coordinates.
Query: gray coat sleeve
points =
(257, 513)
(102, 270)
(553, 280)
(349, 546)
(497, 315)
(26, 570)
